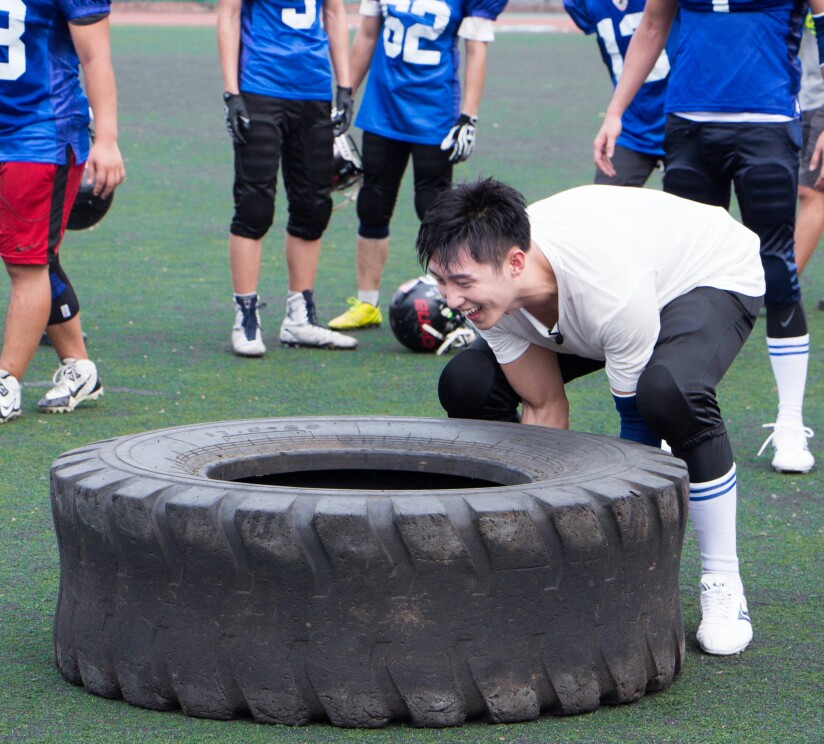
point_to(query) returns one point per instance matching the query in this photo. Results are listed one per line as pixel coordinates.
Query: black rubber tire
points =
(555, 591)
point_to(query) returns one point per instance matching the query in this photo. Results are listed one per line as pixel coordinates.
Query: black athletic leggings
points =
(701, 333)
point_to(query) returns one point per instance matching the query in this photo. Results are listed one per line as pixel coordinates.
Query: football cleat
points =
(359, 315)
(247, 340)
(75, 382)
(9, 397)
(300, 327)
(725, 627)
(792, 455)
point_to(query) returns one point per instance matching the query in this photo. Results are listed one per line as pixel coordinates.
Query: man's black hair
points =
(486, 217)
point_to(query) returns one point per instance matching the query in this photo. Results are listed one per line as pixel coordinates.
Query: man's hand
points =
(104, 168)
(817, 160)
(237, 118)
(343, 110)
(603, 148)
(461, 138)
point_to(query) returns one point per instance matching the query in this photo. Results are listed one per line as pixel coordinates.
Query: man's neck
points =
(539, 293)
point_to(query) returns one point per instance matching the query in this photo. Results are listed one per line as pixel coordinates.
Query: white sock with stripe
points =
(712, 511)
(789, 358)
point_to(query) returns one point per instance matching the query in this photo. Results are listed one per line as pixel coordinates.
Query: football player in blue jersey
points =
(733, 120)
(44, 144)
(640, 147)
(412, 107)
(275, 59)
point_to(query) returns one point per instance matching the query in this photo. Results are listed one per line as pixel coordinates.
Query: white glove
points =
(461, 138)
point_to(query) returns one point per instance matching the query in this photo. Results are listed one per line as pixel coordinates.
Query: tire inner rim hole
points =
(364, 471)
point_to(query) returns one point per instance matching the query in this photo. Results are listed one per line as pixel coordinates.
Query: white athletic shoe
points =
(300, 326)
(75, 382)
(246, 335)
(725, 620)
(9, 397)
(790, 444)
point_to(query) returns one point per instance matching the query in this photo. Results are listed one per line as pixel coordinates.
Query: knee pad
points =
(687, 183)
(789, 322)
(308, 221)
(670, 411)
(64, 303)
(373, 215)
(254, 215)
(473, 386)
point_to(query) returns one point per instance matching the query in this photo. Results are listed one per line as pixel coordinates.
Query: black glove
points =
(343, 110)
(461, 138)
(237, 118)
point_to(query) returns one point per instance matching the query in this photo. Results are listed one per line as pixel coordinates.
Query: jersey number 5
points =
(627, 26)
(295, 19)
(10, 39)
(397, 39)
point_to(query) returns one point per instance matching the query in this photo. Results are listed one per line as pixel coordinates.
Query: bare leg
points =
(302, 258)
(67, 339)
(371, 258)
(809, 224)
(244, 262)
(28, 313)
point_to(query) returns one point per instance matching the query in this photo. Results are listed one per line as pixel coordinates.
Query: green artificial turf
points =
(154, 283)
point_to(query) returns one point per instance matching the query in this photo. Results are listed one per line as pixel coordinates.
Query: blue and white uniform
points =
(614, 22)
(413, 92)
(284, 51)
(737, 56)
(43, 109)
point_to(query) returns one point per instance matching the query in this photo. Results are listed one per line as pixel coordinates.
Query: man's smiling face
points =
(482, 293)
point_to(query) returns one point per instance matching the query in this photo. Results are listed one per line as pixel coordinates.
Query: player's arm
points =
(336, 23)
(228, 43)
(363, 47)
(536, 377)
(646, 46)
(474, 76)
(817, 160)
(93, 47)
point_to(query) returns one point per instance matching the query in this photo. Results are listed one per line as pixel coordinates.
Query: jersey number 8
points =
(10, 39)
(397, 38)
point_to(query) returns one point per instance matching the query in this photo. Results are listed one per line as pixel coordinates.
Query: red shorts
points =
(35, 201)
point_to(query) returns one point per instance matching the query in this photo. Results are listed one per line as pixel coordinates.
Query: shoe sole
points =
(361, 327)
(73, 403)
(791, 471)
(327, 347)
(12, 415)
(254, 355)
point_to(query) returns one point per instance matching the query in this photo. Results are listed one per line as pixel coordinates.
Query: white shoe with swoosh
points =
(75, 382)
(9, 396)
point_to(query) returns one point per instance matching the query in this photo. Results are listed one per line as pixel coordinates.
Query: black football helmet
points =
(88, 209)
(423, 322)
(348, 164)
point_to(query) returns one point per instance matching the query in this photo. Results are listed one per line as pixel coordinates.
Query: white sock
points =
(789, 358)
(712, 510)
(369, 295)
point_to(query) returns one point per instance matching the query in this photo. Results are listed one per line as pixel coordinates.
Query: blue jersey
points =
(738, 56)
(284, 51)
(413, 93)
(615, 21)
(43, 109)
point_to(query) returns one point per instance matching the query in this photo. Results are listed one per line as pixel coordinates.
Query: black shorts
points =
(632, 168)
(384, 163)
(704, 160)
(300, 134)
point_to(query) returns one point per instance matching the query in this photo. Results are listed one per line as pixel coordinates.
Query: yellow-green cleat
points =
(359, 315)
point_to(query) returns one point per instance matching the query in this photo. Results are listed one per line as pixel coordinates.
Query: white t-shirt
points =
(620, 254)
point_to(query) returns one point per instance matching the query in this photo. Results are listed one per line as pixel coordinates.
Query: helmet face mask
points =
(348, 165)
(423, 322)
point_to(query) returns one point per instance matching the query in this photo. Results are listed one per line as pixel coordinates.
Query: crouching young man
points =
(660, 291)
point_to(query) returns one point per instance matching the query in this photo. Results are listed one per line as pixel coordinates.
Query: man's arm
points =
(648, 41)
(474, 76)
(363, 47)
(817, 160)
(817, 8)
(228, 43)
(337, 29)
(93, 47)
(536, 377)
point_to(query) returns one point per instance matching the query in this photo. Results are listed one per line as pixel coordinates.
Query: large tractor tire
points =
(369, 570)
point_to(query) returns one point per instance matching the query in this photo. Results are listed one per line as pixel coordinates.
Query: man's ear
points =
(515, 260)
